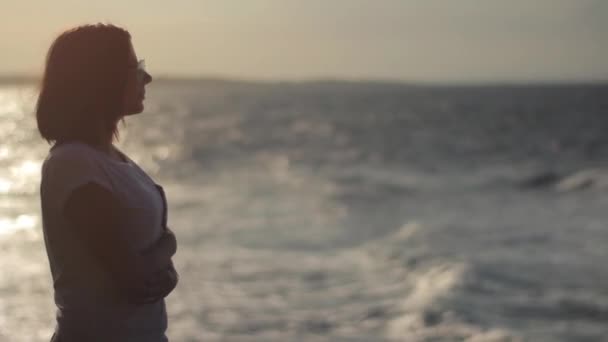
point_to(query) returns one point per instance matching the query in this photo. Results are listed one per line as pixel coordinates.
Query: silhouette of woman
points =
(104, 219)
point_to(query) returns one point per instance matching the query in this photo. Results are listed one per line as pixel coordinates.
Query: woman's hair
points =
(81, 92)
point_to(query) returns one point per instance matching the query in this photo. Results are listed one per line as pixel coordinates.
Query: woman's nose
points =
(147, 78)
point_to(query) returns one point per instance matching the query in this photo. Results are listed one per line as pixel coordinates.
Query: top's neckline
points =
(124, 159)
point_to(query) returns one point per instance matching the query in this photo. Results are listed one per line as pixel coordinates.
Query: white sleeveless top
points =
(86, 297)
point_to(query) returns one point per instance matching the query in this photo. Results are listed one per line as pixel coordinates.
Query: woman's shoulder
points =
(71, 154)
(70, 165)
(71, 150)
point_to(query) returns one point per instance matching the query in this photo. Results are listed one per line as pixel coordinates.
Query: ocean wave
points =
(424, 312)
(596, 179)
(585, 179)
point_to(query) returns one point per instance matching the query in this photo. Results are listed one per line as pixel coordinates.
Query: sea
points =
(349, 210)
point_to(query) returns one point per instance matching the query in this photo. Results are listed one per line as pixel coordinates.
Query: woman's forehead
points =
(132, 54)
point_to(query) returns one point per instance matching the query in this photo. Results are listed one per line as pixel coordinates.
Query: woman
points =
(104, 219)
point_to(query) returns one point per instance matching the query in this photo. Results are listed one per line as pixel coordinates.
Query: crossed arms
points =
(142, 277)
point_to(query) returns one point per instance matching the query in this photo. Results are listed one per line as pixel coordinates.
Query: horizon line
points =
(168, 78)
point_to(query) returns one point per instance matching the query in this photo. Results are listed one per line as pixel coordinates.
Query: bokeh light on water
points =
(349, 211)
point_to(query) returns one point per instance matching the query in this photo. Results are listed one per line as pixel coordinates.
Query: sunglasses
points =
(141, 70)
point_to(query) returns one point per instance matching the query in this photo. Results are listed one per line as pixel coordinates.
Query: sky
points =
(404, 40)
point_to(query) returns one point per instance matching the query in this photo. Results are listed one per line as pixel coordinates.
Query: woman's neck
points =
(109, 149)
(104, 147)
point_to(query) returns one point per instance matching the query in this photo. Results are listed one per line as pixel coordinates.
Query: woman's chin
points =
(136, 109)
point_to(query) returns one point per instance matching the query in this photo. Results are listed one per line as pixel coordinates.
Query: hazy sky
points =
(412, 40)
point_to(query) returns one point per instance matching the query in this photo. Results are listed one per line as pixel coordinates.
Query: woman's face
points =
(135, 87)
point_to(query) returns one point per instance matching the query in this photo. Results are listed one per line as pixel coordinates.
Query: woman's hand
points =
(168, 241)
(160, 285)
(160, 253)
(161, 282)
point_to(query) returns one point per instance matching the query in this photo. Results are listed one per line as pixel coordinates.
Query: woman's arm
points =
(160, 285)
(161, 252)
(97, 218)
(162, 282)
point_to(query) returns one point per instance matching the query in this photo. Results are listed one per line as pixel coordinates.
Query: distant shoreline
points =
(24, 80)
